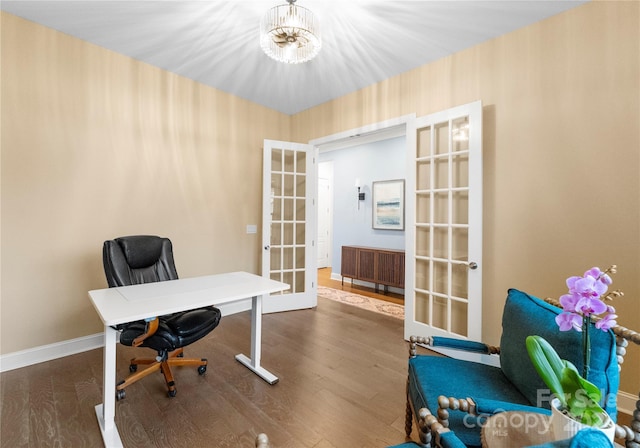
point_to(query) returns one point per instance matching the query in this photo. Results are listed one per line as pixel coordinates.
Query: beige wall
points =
(561, 150)
(561, 158)
(97, 145)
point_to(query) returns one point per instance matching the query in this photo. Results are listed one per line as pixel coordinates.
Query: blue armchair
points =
(461, 394)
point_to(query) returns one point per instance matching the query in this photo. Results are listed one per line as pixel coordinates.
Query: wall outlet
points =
(252, 228)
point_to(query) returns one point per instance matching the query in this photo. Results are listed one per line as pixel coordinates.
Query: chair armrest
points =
(150, 328)
(456, 344)
(490, 407)
(432, 433)
(479, 407)
(448, 439)
(457, 404)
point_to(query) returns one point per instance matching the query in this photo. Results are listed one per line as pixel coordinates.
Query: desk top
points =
(129, 303)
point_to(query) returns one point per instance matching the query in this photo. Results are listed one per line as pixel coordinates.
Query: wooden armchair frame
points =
(430, 427)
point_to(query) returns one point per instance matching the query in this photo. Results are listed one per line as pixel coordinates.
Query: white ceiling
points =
(216, 42)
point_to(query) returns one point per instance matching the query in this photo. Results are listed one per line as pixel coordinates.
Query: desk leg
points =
(253, 364)
(106, 411)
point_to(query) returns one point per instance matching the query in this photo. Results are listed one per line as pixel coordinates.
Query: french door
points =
(443, 295)
(289, 224)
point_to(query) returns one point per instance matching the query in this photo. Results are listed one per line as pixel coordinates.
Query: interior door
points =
(443, 295)
(289, 224)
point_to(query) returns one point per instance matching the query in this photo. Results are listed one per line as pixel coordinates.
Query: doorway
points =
(359, 158)
(443, 281)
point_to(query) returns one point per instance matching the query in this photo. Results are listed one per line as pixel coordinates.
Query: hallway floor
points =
(324, 279)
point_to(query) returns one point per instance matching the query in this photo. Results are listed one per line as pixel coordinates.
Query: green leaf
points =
(547, 363)
(577, 395)
(582, 397)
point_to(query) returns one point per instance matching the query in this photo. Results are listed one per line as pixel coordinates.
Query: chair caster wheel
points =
(120, 395)
(202, 370)
(172, 393)
(133, 368)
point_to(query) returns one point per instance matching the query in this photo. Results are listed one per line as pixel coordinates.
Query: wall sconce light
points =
(360, 193)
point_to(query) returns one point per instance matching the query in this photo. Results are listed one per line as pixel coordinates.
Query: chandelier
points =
(290, 34)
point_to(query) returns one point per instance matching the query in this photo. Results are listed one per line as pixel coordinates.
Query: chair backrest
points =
(132, 260)
(526, 315)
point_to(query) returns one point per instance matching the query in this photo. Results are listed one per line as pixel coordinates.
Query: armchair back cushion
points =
(526, 315)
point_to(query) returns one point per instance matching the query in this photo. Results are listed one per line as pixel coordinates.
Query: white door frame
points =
(394, 127)
(328, 197)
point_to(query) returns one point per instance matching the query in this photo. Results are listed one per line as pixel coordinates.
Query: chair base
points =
(175, 358)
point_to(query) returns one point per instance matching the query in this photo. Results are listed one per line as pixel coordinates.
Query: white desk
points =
(136, 302)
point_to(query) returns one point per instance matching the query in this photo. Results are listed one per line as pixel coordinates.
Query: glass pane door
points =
(289, 223)
(447, 214)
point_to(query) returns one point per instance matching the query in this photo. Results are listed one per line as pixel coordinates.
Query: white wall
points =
(370, 162)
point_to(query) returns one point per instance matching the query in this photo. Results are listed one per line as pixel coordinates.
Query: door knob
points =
(473, 265)
(267, 247)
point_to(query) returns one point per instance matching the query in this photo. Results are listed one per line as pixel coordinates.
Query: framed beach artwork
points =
(388, 204)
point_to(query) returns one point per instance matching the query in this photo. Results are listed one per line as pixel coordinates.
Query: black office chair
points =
(139, 259)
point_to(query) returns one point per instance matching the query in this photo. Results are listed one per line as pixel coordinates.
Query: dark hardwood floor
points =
(342, 383)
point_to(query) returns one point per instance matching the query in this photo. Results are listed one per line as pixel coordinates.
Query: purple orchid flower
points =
(568, 302)
(588, 306)
(568, 321)
(599, 275)
(607, 322)
(584, 300)
(588, 287)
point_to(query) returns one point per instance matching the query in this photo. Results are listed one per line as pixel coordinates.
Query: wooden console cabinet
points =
(379, 266)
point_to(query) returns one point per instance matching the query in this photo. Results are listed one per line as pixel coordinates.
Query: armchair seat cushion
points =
(432, 376)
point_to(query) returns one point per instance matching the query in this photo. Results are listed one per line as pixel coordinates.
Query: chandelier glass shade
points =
(290, 34)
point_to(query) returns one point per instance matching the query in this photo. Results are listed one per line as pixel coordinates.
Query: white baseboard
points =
(28, 357)
(627, 402)
(48, 352)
